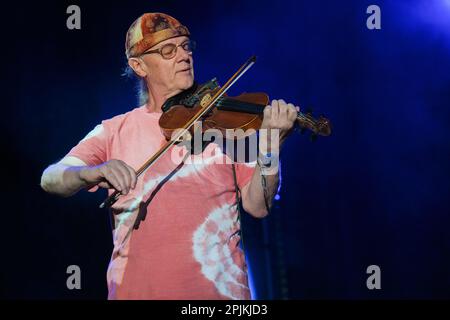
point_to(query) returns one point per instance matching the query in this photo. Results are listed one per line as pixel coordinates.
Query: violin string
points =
(235, 103)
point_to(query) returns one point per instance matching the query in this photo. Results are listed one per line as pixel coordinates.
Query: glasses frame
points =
(192, 44)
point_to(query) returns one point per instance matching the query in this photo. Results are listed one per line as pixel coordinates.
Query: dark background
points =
(375, 192)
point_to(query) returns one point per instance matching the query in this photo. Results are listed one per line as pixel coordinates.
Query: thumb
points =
(105, 184)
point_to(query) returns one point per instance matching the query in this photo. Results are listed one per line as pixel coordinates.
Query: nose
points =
(182, 55)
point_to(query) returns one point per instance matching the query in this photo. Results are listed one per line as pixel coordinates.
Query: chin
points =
(186, 82)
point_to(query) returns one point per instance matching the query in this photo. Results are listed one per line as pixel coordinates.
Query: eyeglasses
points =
(168, 51)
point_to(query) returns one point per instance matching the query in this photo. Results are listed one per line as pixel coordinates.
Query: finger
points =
(298, 108)
(292, 112)
(111, 178)
(133, 176)
(118, 176)
(115, 172)
(267, 119)
(275, 109)
(268, 112)
(126, 170)
(284, 110)
(125, 176)
(106, 185)
(282, 104)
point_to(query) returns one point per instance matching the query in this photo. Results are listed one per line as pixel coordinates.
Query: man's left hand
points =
(280, 115)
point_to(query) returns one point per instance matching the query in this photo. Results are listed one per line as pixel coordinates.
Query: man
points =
(176, 228)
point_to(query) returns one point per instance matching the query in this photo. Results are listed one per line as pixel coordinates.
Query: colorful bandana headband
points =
(149, 30)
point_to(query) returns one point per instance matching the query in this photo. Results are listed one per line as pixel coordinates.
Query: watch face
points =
(265, 160)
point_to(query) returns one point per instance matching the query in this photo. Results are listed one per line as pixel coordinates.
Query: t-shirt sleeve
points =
(244, 173)
(92, 149)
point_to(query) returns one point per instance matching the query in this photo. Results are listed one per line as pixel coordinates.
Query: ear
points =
(138, 67)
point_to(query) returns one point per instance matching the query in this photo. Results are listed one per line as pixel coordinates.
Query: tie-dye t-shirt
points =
(185, 243)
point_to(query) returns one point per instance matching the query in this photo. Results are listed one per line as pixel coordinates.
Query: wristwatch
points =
(265, 160)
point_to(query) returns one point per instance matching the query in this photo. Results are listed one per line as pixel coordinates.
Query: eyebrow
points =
(173, 43)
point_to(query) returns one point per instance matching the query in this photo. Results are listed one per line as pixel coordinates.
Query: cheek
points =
(163, 73)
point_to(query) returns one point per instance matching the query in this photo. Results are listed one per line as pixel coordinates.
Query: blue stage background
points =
(376, 192)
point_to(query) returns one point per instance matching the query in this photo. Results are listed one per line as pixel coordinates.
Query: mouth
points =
(184, 70)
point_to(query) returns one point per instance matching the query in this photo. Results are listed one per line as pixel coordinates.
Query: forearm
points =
(63, 180)
(278, 122)
(256, 196)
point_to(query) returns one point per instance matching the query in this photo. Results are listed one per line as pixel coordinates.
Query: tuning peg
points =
(309, 111)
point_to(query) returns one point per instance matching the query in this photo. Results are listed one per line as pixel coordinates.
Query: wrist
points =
(265, 159)
(268, 163)
(84, 175)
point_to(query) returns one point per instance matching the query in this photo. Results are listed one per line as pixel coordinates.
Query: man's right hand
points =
(113, 174)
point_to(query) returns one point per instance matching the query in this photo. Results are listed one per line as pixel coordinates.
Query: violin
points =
(209, 104)
(241, 112)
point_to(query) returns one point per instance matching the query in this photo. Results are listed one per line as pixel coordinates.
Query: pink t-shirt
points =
(186, 241)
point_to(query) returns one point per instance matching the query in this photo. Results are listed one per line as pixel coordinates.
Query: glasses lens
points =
(189, 46)
(168, 51)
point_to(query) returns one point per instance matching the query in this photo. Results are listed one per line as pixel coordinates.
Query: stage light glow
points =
(435, 13)
(251, 284)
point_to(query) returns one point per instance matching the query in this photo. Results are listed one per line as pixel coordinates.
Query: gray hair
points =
(141, 85)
